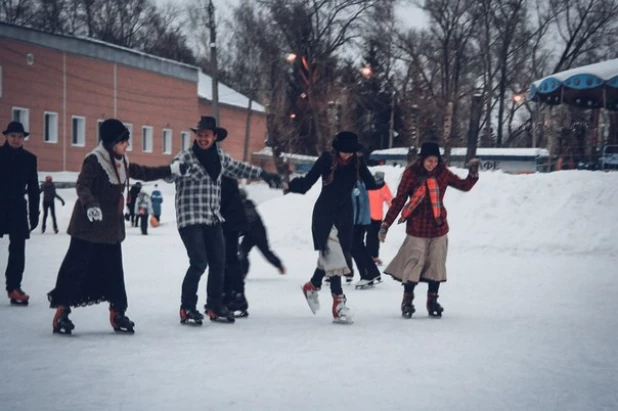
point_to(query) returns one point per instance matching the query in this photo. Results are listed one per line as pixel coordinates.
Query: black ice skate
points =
(61, 323)
(191, 316)
(239, 306)
(407, 308)
(120, 322)
(433, 307)
(220, 314)
(18, 297)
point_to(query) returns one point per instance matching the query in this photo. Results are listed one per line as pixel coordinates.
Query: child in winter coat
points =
(143, 209)
(156, 199)
(377, 199)
(48, 188)
(332, 222)
(422, 256)
(92, 269)
(367, 269)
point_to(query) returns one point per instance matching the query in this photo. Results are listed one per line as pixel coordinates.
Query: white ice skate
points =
(341, 313)
(311, 294)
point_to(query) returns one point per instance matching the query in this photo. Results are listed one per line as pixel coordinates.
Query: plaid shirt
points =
(198, 197)
(422, 223)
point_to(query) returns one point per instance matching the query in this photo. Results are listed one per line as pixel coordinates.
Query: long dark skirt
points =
(90, 273)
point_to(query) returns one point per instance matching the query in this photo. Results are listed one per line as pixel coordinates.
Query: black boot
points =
(61, 323)
(433, 307)
(120, 322)
(407, 308)
(239, 306)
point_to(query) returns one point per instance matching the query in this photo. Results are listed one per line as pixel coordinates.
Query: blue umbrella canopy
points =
(591, 86)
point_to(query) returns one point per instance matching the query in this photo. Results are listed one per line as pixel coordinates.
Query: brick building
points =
(62, 87)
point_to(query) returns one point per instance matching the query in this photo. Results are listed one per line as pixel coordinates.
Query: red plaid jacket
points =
(421, 222)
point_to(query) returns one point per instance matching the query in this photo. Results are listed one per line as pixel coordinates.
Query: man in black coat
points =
(256, 236)
(48, 188)
(18, 175)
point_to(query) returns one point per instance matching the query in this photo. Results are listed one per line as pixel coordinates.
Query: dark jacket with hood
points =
(334, 205)
(232, 208)
(18, 177)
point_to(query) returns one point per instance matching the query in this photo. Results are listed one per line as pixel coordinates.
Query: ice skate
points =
(363, 284)
(191, 316)
(120, 322)
(239, 306)
(341, 313)
(311, 294)
(18, 297)
(433, 307)
(61, 323)
(407, 308)
(220, 314)
(349, 279)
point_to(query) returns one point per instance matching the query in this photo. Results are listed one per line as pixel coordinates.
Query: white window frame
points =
(99, 122)
(129, 126)
(184, 147)
(147, 139)
(53, 132)
(81, 130)
(167, 142)
(26, 122)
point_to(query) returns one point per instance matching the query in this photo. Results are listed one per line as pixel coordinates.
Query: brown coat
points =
(94, 189)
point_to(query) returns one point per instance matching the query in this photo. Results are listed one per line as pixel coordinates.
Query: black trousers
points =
(335, 281)
(90, 273)
(260, 240)
(367, 269)
(142, 220)
(131, 207)
(16, 263)
(373, 243)
(51, 207)
(234, 282)
(205, 245)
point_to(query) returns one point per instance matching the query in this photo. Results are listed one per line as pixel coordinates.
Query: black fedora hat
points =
(346, 142)
(15, 127)
(210, 123)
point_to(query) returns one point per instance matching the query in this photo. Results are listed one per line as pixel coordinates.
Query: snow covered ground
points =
(529, 322)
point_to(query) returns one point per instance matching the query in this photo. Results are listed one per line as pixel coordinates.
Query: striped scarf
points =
(419, 194)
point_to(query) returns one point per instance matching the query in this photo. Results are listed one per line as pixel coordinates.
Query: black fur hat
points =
(430, 148)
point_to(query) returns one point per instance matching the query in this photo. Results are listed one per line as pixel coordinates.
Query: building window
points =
(78, 131)
(147, 139)
(185, 141)
(99, 122)
(167, 141)
(129, 126)
(50, 127)
(23, 116)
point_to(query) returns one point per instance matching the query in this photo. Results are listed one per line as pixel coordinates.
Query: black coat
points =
(18, 177)
(48, 189)
(232, 208)
(334, 205)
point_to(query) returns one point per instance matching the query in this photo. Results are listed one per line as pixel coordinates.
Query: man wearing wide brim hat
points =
(18, 175)
(199, 219)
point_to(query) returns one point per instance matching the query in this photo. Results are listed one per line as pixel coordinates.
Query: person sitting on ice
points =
(422, 256)
(332, 220)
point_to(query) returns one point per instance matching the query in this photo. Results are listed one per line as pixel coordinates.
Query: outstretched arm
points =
(467, 183)
(303, 184)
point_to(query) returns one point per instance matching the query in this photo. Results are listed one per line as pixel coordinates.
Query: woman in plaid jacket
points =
(422, 256)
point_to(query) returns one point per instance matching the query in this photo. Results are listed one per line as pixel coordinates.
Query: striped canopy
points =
(591, 86)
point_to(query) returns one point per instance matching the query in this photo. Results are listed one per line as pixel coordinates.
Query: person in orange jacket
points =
(377, 199)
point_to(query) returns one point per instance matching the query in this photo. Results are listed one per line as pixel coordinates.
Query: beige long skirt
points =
(332, 259)
(420, 259)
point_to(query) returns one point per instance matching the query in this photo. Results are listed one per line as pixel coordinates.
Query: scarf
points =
(209, 159)
(117, 169)
(430, 185)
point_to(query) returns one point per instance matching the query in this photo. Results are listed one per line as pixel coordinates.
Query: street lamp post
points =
(213, 62)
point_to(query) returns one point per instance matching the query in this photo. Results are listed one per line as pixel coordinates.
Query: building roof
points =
(89, 47)
(227, 95)
(461, 151)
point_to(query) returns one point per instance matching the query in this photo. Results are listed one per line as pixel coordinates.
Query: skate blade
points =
(128, 331)
(17, 303)
(241, 314)
(343, 320)
(62, 331)
(364, 287)
(407, 316)
(193, 323)
(222, 320)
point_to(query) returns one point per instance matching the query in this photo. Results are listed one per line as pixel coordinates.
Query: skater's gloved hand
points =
(34, 219)
(62, 203)
(382, 232)
(94, 214)
(273, 180)
(473, 167)
(178, 169)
